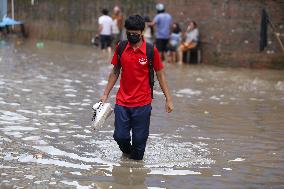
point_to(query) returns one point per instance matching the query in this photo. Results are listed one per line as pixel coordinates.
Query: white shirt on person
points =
(175, 39)
(192, 36)
(106, 22)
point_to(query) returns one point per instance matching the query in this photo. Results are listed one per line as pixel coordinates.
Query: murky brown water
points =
(226, 130)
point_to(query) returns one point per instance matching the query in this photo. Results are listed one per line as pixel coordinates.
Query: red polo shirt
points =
(134, 87)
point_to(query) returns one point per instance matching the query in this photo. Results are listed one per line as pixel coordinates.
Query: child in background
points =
(174, 43)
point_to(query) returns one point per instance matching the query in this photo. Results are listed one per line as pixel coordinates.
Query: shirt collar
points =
(142, 48)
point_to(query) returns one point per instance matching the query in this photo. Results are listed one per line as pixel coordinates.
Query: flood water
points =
(227, 129)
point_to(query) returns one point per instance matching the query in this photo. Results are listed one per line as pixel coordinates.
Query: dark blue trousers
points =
(137, 120)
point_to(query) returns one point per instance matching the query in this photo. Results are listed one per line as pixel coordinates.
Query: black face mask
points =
(133, 37)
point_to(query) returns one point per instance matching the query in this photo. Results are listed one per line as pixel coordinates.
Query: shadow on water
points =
(226, 129)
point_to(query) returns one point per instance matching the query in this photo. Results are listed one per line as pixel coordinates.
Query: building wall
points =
(229, 28)
(71, 20)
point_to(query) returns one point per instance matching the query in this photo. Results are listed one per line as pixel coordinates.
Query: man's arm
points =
(164, 86)
(154, 22)
(112, 78)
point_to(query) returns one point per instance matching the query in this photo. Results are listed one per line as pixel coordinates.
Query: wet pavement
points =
(226, 130)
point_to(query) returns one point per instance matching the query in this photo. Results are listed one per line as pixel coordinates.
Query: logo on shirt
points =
(142, 61)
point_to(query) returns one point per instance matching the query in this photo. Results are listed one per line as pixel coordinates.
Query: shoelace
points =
(95, 111)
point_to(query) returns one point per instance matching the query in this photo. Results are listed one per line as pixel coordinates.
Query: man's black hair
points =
(105, 12)
(135, 22)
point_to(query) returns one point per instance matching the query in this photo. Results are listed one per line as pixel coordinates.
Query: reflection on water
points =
(226, 130)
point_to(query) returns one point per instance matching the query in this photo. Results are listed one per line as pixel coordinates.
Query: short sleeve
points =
(197, 35)
(157, 63)
(100, 20)
(114, 58)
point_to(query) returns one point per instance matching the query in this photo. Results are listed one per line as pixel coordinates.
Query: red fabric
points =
(134, 87)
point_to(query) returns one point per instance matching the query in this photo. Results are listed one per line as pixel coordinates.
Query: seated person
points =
(191, 39)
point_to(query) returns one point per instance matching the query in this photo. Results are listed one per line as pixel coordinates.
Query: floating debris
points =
(40, 45)
(38, 155)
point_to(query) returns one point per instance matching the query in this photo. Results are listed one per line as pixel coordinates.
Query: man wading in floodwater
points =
(133, 100)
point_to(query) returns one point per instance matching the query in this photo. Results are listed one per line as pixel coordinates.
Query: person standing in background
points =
(163, 23)
(117, 25)
(149, 31)
(105, 28)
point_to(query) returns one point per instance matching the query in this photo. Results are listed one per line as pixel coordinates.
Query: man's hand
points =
(169, 106)
(104, 98)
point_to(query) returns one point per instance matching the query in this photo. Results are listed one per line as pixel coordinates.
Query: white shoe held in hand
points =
(101, 112)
